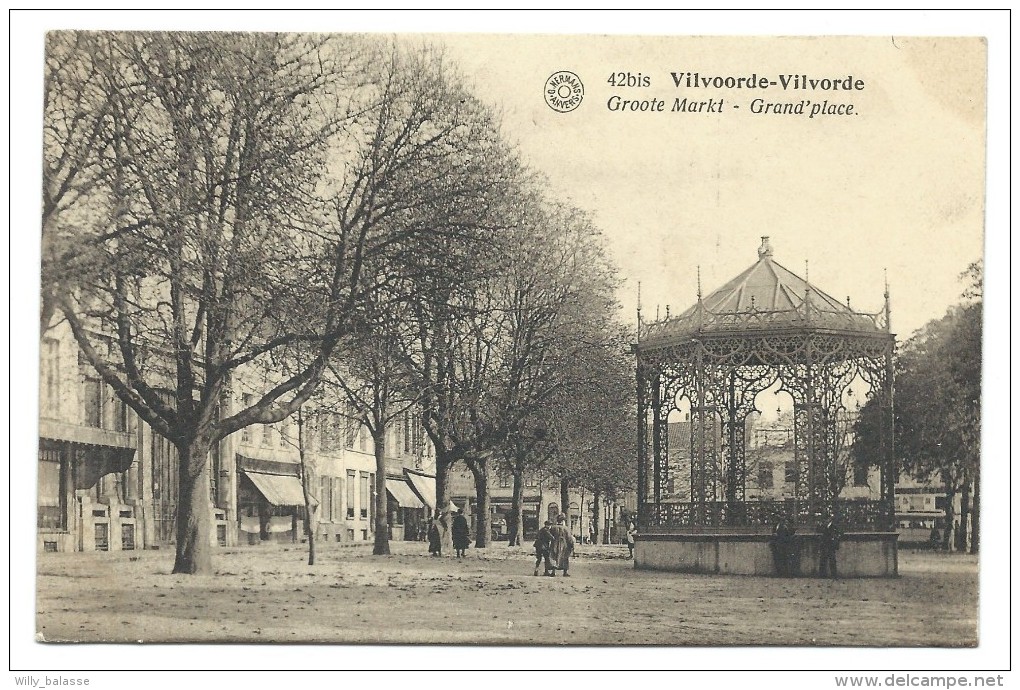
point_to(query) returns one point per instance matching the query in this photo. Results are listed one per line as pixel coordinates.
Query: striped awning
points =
(278, 489)
(402, 494)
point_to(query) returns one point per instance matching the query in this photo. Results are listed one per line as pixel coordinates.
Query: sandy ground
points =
(268, 593)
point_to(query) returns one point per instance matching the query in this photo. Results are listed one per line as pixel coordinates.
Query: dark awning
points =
(94, 462)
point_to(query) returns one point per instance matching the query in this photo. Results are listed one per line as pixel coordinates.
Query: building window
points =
(246, 434)
(326, 498)
(531, 480)
(267, 434)
(362, 437)
(350, 494)
(765, 475)
(93, 398)
(365, 500)
(790, 473)
(51, 377)
(505, 481)
(118, 412)
(52, 491)
(407, 431)
(350, 426)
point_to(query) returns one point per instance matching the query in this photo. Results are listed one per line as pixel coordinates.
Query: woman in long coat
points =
(560, 547)
(461, 534)
(435, 537)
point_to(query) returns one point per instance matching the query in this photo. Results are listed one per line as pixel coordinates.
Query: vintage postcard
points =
(511, 339)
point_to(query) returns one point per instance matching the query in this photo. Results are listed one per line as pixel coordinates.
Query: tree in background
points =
(938, 407)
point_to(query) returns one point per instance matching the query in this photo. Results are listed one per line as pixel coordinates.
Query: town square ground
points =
(269, 594)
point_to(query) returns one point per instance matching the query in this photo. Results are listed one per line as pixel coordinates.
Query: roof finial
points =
(765, 250)
(807, 272)
(699, 282)
(667, 312)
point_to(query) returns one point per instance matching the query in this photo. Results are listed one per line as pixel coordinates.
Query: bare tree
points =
(253, 178)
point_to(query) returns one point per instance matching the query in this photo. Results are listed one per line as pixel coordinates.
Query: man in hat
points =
(560, 547)
(542, 542)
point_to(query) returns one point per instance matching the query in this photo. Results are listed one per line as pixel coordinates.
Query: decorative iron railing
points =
(762, 516)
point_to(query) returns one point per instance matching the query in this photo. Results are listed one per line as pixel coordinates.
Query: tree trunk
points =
(565, 501)
(516, 536)
(194, 514)
(975, 510)
(382, 503)
(306, 489)
(443, 466)
(483, 521)
(961, 534)
(595, 513)
(950, 516)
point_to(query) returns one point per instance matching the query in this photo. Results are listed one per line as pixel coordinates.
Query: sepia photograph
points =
(416, 340)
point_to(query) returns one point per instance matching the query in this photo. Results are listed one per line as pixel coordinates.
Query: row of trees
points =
(938, 410)
(339, 217)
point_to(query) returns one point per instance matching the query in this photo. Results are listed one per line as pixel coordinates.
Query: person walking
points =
(560, 547)
(435, 537)
(542, 543)
(461, 534)
(830, 537)
(782, 548)
(631, 534)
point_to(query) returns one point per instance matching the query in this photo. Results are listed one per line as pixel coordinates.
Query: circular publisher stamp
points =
(563, 91)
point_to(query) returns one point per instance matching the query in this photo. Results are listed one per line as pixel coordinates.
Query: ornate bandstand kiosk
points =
(767, 329)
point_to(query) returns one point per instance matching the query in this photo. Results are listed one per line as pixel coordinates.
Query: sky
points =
(898, 187)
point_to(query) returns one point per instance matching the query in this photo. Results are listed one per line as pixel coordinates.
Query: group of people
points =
(786, 554)
(460, 530)
(554, 546)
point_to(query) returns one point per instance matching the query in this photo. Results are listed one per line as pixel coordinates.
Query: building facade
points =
(108, 482)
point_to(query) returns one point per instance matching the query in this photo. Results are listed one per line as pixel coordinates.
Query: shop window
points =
(52, 487)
